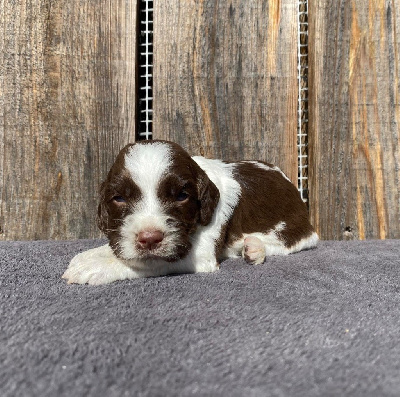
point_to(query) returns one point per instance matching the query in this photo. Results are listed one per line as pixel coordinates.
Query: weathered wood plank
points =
(354, 118)
(225, 78)
(67, 100)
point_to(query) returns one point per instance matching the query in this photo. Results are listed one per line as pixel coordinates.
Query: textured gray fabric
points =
(317, 323)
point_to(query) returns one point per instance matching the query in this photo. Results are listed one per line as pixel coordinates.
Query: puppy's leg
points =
(253, 250)
(259, 245)
(97, 266)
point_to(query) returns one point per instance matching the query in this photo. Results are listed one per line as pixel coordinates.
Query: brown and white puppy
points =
(166, 212)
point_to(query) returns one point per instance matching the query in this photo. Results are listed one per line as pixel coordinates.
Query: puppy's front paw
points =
(97, 266)
(253, 250)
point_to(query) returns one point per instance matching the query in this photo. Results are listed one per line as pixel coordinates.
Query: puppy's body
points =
(166, 212)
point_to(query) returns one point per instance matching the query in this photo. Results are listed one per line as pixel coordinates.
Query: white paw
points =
(200, 262)
(97, 266)
(253, 250)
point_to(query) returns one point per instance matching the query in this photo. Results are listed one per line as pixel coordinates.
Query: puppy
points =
(165, 212)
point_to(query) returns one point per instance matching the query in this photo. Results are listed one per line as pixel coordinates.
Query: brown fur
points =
(267, 198)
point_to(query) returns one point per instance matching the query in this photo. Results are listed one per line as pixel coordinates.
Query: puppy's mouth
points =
(162, 252)
(152, 244)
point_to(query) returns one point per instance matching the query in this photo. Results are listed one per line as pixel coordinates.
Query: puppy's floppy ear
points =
(102, 212)
(208, 197)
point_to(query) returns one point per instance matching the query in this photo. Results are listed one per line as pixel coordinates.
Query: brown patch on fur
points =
(207, 193)
(118, 183)
(267, 198)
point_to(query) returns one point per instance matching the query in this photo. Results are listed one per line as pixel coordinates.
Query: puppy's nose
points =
(148, 239)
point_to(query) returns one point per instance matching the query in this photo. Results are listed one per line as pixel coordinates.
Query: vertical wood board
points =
(225, 78)
(354, 118)
(67, 100)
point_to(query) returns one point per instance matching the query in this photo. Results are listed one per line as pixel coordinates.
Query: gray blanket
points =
(323, 322)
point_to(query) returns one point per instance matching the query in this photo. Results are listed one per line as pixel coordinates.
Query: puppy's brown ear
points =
(208, 197)
(102, 213)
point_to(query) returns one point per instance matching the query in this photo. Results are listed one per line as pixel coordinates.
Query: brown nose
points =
(148, 239)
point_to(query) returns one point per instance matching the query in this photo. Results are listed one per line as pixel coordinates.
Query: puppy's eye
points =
(182, 196)
(119, 199)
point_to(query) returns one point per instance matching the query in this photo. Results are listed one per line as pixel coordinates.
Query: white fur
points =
(273, 245)
(221, 174)
(100, 266)
(253, 250)
(268, 168)
(305, 243)
(147, 165)
(97, 266)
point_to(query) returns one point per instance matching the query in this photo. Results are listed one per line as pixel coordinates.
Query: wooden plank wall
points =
(67, 100)
(225, 78)
(225, 85)
(354, 118)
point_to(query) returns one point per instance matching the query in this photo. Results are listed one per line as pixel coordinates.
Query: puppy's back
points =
(269, 202)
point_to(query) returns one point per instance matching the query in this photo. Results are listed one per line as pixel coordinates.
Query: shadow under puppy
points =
(166, 212)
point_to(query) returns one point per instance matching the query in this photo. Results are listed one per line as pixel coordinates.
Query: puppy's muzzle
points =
(150, 239)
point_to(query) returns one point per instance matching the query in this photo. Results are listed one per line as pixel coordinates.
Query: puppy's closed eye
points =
(182, 196)
(120, 200)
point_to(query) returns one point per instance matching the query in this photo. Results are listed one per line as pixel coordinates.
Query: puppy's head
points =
(152, 201)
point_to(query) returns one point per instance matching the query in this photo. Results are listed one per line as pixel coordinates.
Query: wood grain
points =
(67, 100)
(354, 118)
(225, 78)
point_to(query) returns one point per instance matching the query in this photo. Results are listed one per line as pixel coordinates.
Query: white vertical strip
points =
(302, 45)
(146, 70)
